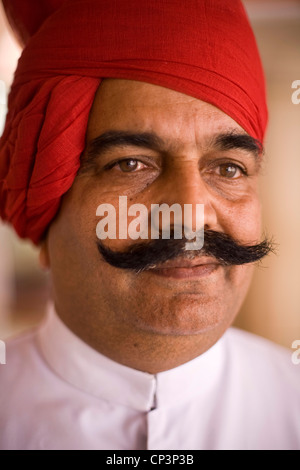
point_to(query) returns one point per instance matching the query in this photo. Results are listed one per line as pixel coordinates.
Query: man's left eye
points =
(229, 170)
(129, 165)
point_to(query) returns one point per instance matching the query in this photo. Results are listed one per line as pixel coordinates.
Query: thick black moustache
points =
(146, 255)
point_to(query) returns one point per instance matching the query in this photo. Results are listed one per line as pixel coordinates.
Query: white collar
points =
(93, 373)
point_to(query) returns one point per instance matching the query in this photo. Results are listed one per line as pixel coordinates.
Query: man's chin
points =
(184, 315)
(182, 305)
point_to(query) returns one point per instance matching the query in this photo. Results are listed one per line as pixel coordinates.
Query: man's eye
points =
(229, 170)
(129, 165)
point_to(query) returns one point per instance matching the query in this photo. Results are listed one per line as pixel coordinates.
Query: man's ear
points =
(44, 258)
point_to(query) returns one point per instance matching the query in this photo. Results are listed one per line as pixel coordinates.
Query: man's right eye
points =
(128, 165)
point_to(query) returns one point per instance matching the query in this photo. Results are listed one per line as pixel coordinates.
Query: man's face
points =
(188, 161)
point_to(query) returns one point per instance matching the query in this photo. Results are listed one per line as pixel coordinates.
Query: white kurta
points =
(58, 393)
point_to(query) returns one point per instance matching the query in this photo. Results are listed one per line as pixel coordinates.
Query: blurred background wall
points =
(272, 307)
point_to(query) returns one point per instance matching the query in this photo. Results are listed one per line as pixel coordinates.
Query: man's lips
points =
(185, 268)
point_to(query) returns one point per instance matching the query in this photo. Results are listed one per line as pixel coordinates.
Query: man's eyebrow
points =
(112, 139)
(108, 140)
(235, 140)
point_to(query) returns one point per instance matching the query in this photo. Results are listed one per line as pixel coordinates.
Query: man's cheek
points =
(251, 221)
(242, 220)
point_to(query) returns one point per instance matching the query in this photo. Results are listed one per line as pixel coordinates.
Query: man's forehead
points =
(139, 94)
(131, 106)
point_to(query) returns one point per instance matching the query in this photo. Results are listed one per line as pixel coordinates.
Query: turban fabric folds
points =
(203, 48)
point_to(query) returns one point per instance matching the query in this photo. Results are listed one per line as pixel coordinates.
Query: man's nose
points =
(184, 185)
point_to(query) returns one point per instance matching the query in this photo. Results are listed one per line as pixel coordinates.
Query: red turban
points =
(203, 48)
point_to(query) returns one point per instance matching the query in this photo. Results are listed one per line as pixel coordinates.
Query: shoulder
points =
(250, 344)
(19, 350)
(24, 366)
(262, 360)
(28, 388)
(26, 370)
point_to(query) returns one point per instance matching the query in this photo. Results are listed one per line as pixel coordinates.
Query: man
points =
(161, 104)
